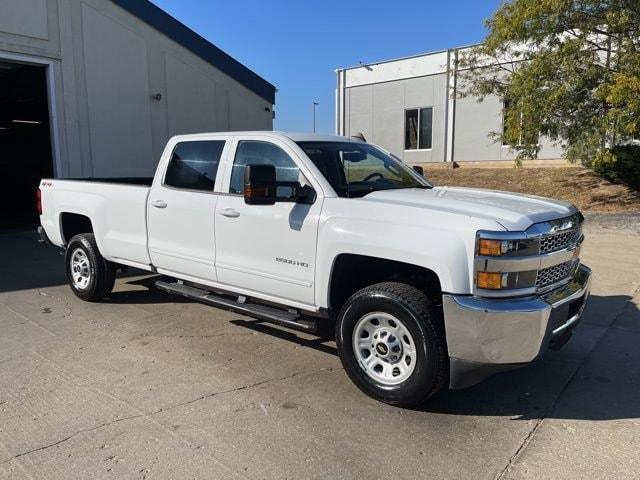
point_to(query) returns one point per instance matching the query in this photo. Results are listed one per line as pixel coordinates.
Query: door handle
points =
(159, 204)
(229, 212)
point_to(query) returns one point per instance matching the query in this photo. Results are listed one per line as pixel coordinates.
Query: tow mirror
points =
(419, 170)
(260, 185)
(305, 194)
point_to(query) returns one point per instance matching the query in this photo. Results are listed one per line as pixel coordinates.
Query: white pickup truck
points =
(428, 287)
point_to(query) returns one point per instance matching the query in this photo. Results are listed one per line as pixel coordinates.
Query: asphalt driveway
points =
(148, 386)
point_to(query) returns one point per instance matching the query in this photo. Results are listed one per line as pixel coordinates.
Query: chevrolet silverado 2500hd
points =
(429, 287)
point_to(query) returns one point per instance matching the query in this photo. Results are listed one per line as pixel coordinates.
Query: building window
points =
(418, 123)
(193, 165)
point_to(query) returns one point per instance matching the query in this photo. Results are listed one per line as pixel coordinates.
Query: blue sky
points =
(297, 45)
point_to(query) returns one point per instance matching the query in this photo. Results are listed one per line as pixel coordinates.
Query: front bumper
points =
(487, 335)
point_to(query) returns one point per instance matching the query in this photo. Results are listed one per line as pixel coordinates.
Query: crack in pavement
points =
(166, 409)
(525, 443)
(529, 437)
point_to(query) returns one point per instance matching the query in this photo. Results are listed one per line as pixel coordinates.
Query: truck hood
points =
(515, 212)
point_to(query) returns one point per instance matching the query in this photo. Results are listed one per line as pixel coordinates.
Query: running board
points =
(262, 312)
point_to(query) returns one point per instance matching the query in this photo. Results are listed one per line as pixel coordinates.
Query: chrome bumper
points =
(508, 332)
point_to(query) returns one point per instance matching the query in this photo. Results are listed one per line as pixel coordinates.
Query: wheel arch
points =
(350, 272)
(72, 224)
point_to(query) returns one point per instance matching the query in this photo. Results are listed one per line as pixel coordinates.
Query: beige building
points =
(94, 88)
(411, 106)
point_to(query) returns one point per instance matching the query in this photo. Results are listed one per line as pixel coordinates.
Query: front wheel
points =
(90, 276)
(392, 344)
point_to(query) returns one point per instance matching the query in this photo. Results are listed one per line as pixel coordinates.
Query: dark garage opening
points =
(25, 142)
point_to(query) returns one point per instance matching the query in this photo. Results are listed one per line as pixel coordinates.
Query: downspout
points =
(446, 107)
(453, 96)
(340, 99)
(343, 110)
(337, 103)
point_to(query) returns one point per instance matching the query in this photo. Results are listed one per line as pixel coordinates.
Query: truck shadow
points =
(319, 343)
(26, 264)
(149, 294)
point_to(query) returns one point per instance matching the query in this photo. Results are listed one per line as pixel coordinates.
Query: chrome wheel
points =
(384, 348)
(80, 269)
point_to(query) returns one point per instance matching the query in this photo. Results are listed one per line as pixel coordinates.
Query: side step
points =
(262, 312)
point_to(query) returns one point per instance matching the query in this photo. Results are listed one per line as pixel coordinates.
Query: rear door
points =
(181, 207)
(270, 249)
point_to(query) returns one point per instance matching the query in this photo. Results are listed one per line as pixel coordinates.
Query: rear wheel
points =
(90, 276)
(392, 344)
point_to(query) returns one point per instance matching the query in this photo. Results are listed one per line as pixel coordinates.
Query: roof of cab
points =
(316, 137)
(295, 136)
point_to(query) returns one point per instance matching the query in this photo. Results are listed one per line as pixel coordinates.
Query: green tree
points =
(570, 70)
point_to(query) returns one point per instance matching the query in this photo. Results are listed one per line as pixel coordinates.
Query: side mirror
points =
(419, 170)
(260, 185)
(305, 195)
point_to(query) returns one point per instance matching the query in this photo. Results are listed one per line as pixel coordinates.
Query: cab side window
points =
(253, 152)
(193, 165)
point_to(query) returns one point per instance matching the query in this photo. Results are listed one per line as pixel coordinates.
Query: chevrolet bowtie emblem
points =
(562, 227)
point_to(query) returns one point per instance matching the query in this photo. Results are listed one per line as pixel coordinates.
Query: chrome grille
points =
(560, 241)
(557, 273)
(569, 235)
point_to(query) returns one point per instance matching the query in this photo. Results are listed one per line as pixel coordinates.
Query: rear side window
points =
(193, 165)
(254, 152)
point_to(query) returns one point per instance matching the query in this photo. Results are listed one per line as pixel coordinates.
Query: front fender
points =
(446, 253)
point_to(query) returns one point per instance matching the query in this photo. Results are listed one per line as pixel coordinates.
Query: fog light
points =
(491, 280)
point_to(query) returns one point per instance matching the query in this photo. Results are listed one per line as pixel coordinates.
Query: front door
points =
(266, 248)
(181, 211)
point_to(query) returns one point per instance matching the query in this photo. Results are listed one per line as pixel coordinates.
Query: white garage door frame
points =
(54, 132)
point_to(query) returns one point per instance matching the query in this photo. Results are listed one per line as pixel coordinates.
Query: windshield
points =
(356, 169)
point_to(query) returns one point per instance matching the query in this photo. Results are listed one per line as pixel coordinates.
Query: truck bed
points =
(116, 208)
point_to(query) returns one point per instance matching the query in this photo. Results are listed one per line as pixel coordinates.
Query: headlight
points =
(498, 256)
(493, 247)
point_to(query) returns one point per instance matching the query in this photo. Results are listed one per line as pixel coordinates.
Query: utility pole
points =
(315, 104)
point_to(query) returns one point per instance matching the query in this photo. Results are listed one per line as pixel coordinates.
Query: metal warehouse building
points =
(94, 88)
(410, 106)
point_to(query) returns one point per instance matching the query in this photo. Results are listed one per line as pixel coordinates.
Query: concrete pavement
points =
(147, 386)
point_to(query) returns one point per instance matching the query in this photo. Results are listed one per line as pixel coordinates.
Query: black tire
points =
(424, 323)
(102, 273)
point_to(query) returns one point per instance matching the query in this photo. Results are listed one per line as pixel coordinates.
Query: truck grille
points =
(557, 273)
(560, 241)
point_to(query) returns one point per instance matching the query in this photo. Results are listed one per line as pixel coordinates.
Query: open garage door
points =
(25, 142)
